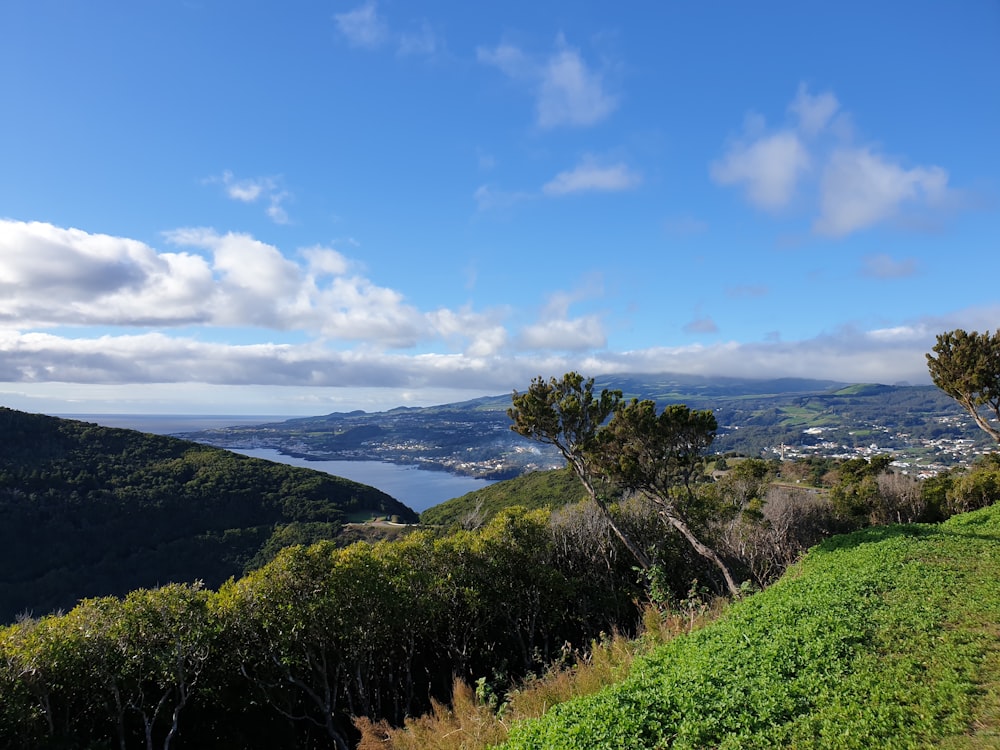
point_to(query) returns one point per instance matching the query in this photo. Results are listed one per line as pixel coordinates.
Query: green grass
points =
(537, 489)
(885, 638)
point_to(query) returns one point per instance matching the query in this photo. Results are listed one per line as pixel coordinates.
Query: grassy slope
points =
(538, 489)
(884, 638)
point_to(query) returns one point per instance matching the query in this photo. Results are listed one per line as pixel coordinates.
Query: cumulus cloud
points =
(556, 329)
(55, 276)
(590, 176)
(856, 186)
(57, 284)
(860, 188)
(259, 286)
(50, 276)
(768, 168)
(567, 91)
(564, 334)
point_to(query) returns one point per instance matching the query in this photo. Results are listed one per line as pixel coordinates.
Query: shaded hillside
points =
(538, 489)
(88, 510)
(882, 638)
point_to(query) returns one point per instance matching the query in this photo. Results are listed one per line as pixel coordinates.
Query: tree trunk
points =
(581, 471)
(704, 550)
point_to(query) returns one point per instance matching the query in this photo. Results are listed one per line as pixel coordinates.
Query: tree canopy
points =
(967, 368)
(658, 456)
(566, 413)
(653, 454)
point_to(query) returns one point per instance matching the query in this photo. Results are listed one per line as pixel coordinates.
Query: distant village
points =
(919, 457)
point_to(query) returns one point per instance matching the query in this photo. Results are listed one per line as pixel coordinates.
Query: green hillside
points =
(88, 510)
(538, 489)
(883, 638)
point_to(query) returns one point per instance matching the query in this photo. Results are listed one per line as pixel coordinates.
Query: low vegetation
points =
(581, 623)
(537, 489)
(887, 637)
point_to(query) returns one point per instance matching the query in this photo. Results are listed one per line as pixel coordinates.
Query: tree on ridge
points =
(967, 368)
(566, 414)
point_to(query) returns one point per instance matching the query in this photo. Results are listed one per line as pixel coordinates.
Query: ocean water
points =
(417, 488)
(169, 424)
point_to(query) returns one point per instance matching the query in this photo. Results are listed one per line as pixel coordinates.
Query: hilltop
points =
(88, 510)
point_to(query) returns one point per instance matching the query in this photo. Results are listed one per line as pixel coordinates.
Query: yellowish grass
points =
(471, 724)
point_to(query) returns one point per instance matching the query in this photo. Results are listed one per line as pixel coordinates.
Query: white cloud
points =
(484, 333)
(325, 261)
(55, 276)
(571, 93)
(860, 188)
(557, 330)
(362, 27)
(349, 331)
(856, 187)
(768, 168)
(53, 366)
(567, 91)
(884, 356)
(564, 334)
(590, 176)
(253, 189)
(814, 112)
(509, 59)
(230, 281)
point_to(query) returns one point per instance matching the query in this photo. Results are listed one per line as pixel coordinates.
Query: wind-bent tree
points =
(967, 368)
(658, 456)
(566, 413)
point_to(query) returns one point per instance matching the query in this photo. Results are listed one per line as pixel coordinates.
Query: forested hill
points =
(88, 510)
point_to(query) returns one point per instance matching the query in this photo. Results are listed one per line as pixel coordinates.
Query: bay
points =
(416, 488)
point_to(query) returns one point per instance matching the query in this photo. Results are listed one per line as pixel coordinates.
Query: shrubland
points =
(883, 635)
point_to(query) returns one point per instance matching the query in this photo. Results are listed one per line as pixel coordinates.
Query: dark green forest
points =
(88, 510)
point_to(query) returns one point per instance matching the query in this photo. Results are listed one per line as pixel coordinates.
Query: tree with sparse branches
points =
(568, 415)
(659, 456)
(967, 368)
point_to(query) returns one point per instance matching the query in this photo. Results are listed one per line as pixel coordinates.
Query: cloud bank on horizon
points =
(414, 210)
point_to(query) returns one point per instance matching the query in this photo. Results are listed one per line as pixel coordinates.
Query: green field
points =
(886, 638)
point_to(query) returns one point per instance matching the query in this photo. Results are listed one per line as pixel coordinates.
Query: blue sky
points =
(297, 208)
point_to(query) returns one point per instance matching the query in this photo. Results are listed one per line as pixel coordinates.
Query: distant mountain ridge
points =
(756, 417)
